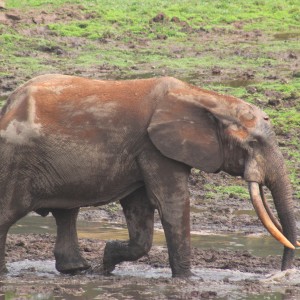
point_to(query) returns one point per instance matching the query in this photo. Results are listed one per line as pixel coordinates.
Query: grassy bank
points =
(248, 49)
(155, 27)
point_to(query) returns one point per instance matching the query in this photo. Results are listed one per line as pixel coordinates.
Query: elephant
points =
(68, 142)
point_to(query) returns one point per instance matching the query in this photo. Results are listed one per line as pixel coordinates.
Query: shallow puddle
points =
(126, 283)
(238, 83)
(284, 36)
(259, 245)
(134, 281)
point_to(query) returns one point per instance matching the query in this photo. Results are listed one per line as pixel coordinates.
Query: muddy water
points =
(133, 281)
(258, 245)
(40, 280)
(284, 36)
(238, 83)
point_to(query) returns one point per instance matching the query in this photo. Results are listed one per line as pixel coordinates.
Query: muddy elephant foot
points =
(112, 256)
(118, 251)
(70, 265)
(97, 269)
(183, 274)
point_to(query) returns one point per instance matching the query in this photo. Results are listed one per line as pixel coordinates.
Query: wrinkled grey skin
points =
(68, 142)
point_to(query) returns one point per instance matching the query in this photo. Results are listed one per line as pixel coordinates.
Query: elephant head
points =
(214, 132)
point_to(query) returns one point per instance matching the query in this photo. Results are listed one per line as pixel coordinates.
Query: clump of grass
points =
(130, 15)
(285, 120)
(233, 191)
(122, 22)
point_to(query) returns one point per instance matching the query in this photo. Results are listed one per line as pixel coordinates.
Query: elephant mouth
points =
(265, 214)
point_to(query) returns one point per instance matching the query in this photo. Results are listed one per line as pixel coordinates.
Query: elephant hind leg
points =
(67, 254)
(5, 223)
(139, 214)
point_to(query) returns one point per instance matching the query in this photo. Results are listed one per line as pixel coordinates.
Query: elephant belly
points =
(88, 192)
(84, 176)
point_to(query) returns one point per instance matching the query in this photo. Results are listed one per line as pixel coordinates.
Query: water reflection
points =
(128, 288)
(237, 83)
(258, 245)
(284, 36)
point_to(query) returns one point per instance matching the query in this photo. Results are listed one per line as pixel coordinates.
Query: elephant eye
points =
(253, 142)
(266, 118)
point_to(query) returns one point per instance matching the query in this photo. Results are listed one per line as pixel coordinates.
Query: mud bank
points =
(218, 274)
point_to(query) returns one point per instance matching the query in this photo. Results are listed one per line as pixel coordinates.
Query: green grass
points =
(2, 100)
(285, 119)
(234, 191)
(134, 16)
(18, 50)
(176, 49)
(130, 20)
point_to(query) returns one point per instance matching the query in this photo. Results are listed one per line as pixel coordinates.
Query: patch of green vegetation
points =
(278, 46)
(293, 164)
(131, 16)
(285, 119)
(34, 3)
(129, 20)
(2, 101)
(112, 207)
(88, 29)
(122, 37)
(18, 50)
(270, 14)
(234, 191)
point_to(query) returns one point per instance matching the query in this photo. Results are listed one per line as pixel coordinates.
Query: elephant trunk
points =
(277, 181)
(279, 184)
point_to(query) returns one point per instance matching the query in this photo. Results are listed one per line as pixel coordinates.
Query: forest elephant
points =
(67, 142)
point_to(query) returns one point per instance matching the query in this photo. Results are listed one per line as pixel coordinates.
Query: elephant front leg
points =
(167, 186)
(139, 214)
(176, 224)
(67, 254)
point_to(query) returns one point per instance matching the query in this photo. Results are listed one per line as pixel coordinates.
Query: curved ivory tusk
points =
(264, 217)
(270, 213)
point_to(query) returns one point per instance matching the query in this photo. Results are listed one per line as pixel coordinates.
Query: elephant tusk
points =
(264, 216)
(270, 213)
(268, 209)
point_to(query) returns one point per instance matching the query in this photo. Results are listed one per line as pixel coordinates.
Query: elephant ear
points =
(186, 133)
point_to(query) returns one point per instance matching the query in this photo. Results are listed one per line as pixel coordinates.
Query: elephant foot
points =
(183, 274)
(112, 256)
(70, 265)
(98, 269)
(116, 252)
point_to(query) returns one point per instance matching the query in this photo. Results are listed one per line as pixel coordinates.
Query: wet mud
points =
(229, 266)
(218, 274)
